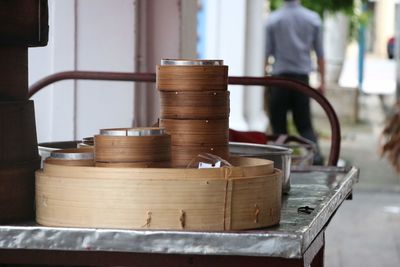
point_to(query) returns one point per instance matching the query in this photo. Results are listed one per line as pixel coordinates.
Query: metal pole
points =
(397, 51)
(361, 53)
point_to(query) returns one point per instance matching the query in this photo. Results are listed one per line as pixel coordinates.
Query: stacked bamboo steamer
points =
(194, 107)
(132, 147)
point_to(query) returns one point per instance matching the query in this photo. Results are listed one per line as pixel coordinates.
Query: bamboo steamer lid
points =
(132, 145)
(246, 196)
(191, 75)
(72, 157)
(194, 105)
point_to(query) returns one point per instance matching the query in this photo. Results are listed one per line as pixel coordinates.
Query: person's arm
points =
(321, 70)
(269, 45)
(319, 50)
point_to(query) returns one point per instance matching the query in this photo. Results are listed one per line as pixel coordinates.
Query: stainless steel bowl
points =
(142, 131)
(281, 156)
(191, 62)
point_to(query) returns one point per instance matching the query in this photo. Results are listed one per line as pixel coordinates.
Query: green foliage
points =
(321, 6)
(349, 7)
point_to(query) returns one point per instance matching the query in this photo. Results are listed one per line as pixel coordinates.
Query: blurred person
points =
(292, 33)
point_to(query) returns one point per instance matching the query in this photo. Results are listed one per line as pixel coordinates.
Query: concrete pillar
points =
(385, 21)
(397, 53)
(167, 30)
(225, 39)
(254, 66)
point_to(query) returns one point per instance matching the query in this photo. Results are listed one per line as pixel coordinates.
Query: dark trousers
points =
(281, 100)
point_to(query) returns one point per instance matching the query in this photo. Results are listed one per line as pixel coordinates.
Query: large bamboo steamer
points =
(112, 146)
(17, 190)
(231, 198)
(194, 105)
(18, 140)
(191, 75)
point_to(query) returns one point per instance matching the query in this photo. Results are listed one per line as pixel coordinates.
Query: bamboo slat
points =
(147, 198)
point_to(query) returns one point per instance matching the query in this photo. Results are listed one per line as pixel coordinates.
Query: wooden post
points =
(23, 24)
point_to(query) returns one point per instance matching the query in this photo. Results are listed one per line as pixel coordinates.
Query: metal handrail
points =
(234, 80)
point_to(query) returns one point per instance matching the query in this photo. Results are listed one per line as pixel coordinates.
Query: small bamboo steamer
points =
(231, 198)
(137, 145)
(191, 75)
(83, 156)
(195, 105)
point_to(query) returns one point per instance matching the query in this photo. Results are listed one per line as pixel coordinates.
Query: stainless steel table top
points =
(323, 189)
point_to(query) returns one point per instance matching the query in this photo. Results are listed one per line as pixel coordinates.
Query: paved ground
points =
(366, 230)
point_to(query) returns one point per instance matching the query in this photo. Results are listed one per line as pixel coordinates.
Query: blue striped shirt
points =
(292, 33)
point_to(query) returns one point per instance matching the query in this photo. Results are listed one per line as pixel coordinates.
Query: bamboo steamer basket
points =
(124, 145)
(72, 157)
(192, 137)
(197, 132)
(230, 198)
(191, 75)
(17, 190)
(194, 105)
(203, 127)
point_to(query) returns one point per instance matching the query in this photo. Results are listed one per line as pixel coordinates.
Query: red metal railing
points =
(261, 81)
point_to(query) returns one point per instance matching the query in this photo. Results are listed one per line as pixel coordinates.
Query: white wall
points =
(96, 35)
(234, 33)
